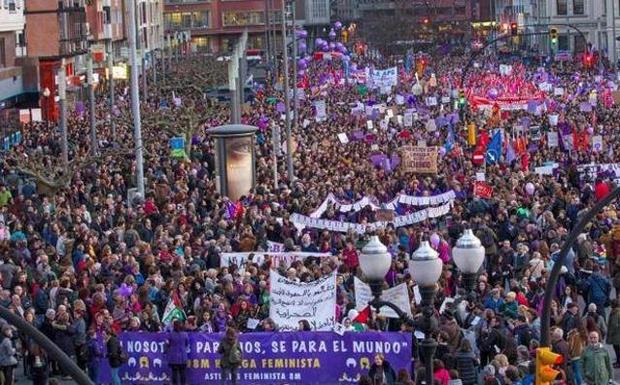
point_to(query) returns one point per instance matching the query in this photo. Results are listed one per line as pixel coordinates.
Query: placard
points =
(291, 302)
(597, 143)
(343, 138)
(421, 160)
(397, 295)
(553, 139)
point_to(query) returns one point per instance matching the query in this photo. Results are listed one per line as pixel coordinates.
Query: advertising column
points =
(234, 159)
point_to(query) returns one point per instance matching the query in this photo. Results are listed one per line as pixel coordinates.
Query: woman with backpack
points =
(116, 356)
(231, 356)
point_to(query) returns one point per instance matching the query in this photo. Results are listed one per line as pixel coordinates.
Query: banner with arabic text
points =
(308, 358)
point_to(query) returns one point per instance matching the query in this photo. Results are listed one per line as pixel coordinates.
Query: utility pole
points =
(287, 102)
(614, 57)
(110, 59)
(91, 102)
(233, 74)
(154, 69)
(295, 100)
(62, 97)
(135, 100)
(268, 34)
(145, 95)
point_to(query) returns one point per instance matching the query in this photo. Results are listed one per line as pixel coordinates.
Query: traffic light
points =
(553, 34)
(587, 60)
(514, 29)
(462, 99)
(544, 372)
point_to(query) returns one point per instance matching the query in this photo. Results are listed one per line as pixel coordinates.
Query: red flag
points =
(363, 316)
(483, 140)
(525, 161)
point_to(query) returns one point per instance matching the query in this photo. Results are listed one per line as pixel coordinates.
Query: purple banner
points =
(306, 358)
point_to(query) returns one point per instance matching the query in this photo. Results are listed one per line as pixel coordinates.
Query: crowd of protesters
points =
(80, 261)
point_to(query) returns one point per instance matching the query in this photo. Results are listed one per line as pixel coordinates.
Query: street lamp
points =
(425, 268)
(468, 255)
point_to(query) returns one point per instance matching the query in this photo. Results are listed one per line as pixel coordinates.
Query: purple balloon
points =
(337, 25)
(492, 94)
(301, 64)
(319, 42)
(332, 34)
(302, 46)
(332, 46)
(301, 73)
(325, 48)
(301, 33)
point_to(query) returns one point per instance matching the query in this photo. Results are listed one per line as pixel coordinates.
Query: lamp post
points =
(468, 255)
(425, 267)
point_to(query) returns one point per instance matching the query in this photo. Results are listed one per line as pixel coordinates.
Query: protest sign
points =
(597, 143)
(291, 302)
(275, 247)
(483, 190)
(321, 110)
(553, 139)
(408, 119)
(397, 295)
(369, 124)
(343, 138)
(480, 176)
(421, 160)
(303, 358)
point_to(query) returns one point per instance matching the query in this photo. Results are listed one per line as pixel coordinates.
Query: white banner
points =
(592, 170)
(391, 205)
(385, 78)
(240, 259)
(302, 221)
(397, 295)
(291, 302)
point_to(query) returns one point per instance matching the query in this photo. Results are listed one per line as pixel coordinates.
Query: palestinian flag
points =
(174, 310)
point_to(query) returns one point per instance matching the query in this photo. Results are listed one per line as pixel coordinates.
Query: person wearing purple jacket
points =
(178, 341)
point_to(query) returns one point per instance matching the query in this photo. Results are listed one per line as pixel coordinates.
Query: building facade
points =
(214, 25)
(56, 31)
(581, 23)
(11, 49)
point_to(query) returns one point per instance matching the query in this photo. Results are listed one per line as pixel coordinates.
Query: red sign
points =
(478, 158)
(482, 190)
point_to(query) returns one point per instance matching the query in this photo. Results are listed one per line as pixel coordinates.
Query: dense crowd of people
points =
(80, 262)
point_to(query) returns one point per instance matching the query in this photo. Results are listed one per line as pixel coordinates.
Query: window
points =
(238, 18)
(578, 7)
(563, 43)
(186, 20)
(2, 53)
(200, 43)
(562, 7)
(580, 44)
(200, 19)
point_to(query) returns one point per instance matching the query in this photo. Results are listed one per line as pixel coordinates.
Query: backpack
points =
(486, 238)
(234, 356)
